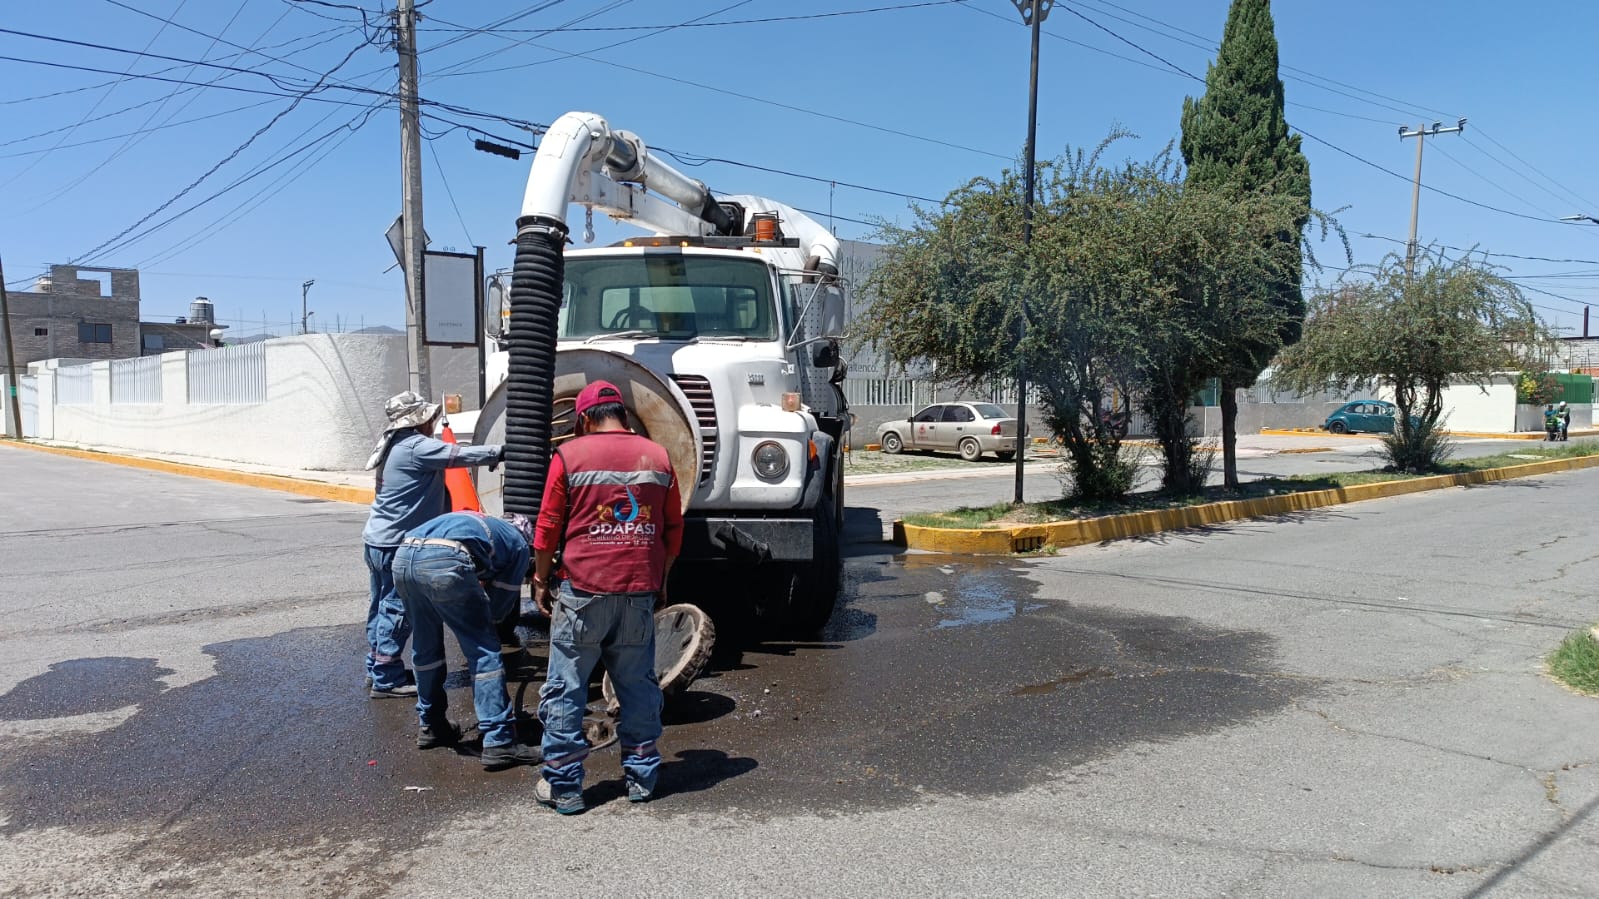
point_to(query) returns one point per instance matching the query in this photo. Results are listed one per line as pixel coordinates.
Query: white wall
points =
(1468, 408)
(323, 409)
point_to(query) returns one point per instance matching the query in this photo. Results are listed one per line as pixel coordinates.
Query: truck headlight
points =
(770, 461)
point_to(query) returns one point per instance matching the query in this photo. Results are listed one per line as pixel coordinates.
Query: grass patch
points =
(875, 462)
(1575, 662)
(1004, 514)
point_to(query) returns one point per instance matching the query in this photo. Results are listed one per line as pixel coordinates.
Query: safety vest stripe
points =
(618, 478)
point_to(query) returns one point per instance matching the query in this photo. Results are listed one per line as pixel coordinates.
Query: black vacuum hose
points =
(529, 394)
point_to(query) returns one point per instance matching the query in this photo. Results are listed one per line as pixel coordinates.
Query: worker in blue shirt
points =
(410, 464)
(464, 570)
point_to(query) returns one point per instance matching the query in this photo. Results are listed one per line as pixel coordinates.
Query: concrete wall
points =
(323, 408)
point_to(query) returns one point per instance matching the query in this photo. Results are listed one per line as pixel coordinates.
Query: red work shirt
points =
(612, 507)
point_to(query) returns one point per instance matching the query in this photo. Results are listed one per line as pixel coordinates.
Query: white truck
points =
(722, 326)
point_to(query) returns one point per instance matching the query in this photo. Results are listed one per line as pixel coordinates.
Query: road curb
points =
(1027, 538)
(335, 492)
(1486, 435)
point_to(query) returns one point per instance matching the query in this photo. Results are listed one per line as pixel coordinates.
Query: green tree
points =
(1122, 282)
(1453, 321)
(1235, 137)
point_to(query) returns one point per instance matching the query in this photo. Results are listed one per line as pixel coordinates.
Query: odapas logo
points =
(623, 519)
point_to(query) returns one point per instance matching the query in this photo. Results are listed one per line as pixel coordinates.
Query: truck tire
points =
(892, 444)
(684, 637)
(971, 450)
(809, 590)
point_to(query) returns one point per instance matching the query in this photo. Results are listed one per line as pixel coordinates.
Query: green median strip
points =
(1003, 529)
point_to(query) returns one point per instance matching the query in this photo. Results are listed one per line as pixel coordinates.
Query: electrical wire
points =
(769, 19)
(141, 131)
(1444, 152)
(293, 105)
(122, 77)
(445, 180)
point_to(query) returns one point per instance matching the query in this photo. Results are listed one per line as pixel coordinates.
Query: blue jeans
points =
(386, 627)
(439, 586)
(586, 628)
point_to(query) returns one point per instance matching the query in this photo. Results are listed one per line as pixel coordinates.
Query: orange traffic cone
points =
(463, 493)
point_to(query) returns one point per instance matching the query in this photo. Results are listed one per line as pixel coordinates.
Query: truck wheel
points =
(684, 637)
(892, 444)
(971, 450)
(800, 596)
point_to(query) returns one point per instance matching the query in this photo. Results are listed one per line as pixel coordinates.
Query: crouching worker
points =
(612, 507)
(464, 570)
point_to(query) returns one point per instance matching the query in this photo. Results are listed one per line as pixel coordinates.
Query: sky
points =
(204, 166)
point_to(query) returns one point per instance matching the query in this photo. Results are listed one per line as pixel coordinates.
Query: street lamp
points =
(1579, 218)
(305, 316)
(1034, 12)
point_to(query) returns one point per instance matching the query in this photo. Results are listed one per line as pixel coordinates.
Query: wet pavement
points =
(937, 675)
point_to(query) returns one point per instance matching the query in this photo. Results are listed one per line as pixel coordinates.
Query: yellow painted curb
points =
(1026, 538)
(335, 492)
(1489, 435)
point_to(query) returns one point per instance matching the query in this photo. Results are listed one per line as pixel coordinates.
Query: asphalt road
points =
(1339, 703)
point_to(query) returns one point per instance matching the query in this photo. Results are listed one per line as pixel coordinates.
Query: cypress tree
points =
(1235, 137)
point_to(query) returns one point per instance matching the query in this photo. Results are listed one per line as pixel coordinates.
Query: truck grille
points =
(698, 391)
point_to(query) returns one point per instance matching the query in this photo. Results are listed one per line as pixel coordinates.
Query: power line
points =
(1486, 253)
(701, 160)
(225, 87)
(455, 70)
(451, 194)
(123, 76)
(226, 159)
(796, 18)
(141, 131)
(1492, 183)
(1568, 191)
(96, 86)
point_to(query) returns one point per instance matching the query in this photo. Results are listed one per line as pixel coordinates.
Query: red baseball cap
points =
(597, 393)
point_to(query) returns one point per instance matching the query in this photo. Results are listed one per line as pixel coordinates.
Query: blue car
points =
(1362, 416)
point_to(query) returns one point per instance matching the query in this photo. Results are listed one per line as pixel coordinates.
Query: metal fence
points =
(883, 391)
(75, 386)
(230, 376)
(136, 380)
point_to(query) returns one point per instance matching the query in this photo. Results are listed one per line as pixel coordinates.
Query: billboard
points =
(451, 299)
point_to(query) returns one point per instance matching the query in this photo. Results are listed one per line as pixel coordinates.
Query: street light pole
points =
(305, 317)
(1033, 13)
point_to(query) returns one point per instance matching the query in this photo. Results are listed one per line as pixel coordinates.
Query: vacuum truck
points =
(722, 325)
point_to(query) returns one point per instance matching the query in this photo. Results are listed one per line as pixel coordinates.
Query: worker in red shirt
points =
(613, 510)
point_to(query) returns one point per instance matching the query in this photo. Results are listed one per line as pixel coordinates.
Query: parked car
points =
(970, 429)
(1374, 416)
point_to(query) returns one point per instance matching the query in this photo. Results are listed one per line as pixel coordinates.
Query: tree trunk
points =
(1229, 433)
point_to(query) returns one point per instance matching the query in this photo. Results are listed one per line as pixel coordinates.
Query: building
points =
(86, 312)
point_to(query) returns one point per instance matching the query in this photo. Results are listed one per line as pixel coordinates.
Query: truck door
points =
(924, 427)
(958, 422)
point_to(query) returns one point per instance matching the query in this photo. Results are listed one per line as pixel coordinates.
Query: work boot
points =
(568, 804)
(397, 691)
(443, 733)
(504, 756)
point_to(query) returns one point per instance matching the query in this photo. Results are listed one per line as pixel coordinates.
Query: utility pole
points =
(305, 316)
(12, 386)
(411, 195)
(1420, 134)
(1033, 13)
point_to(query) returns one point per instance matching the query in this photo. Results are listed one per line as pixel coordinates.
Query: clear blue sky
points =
(950, 77)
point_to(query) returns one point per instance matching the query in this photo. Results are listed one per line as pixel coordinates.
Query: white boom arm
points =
(583, 160)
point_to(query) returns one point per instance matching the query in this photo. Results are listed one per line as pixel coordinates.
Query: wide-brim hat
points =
(408, 410)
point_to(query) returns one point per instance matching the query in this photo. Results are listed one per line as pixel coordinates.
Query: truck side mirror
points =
(826, 355)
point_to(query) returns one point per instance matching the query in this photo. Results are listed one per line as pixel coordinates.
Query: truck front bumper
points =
(748, 539)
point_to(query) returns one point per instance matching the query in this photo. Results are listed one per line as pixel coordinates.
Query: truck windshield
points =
(669, 295)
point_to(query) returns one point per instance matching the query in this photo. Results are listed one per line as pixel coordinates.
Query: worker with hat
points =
(613, 509)
(464, 570)
(410, 464)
